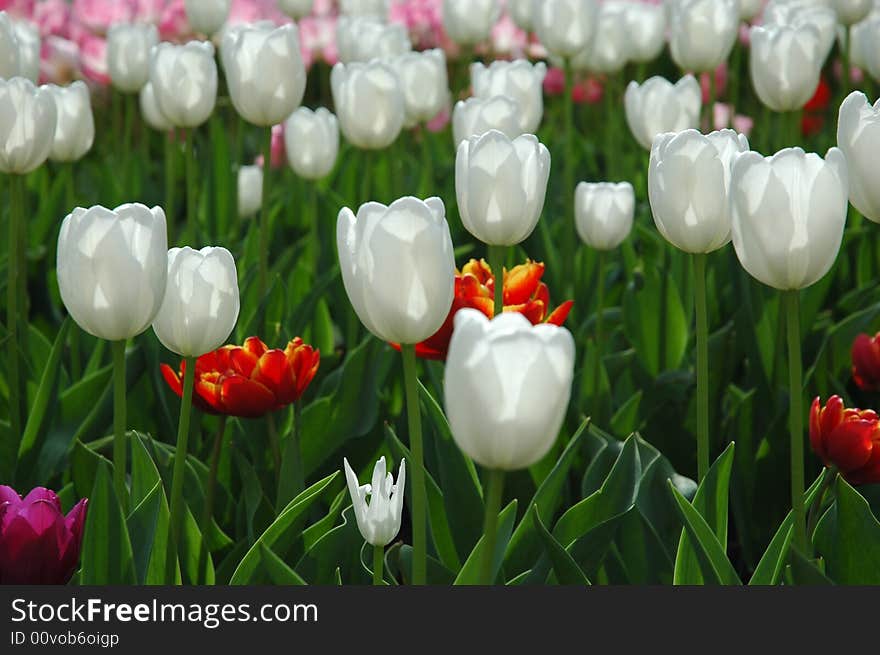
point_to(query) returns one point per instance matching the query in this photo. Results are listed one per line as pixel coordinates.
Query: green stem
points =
(570, 239)
(129, 102)
(119, 407)
(314, 228)
(296, 468)
(611, 111)
(210, 494)
(177, 506)
(845, 43)
(191, 179)
(702, 365)
(496, 263)
(170, 183)
(419, 494)
(796, 419)
(13, 273)
(378, 563)
(495, 488)
(600, 308)
(710, 113)
(264, 214)
(366, 178)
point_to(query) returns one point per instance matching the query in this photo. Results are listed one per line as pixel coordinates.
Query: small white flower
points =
(379, 519)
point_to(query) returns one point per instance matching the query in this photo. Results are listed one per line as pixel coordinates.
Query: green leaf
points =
(710, 503)
(470, 571)
(709, 553)
(848, 537)
(148, 530)
(566, 569)
(282, 532)
(279, 573)
(106, 550)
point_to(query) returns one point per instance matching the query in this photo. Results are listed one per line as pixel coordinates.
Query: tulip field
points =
(406, 292)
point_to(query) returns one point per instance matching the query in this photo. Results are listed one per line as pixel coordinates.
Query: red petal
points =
(560, 313)
(849, 445)
(817, 442)
(521, 282)
(172, 379)
(245, 398)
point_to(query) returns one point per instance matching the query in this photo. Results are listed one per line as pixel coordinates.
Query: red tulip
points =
(848, 439)
(475, 288)
(866, 362)
(38, 544)
(250, 380)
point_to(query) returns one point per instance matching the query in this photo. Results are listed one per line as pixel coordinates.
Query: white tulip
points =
(689, 187)
(850, 12)
(500, 185)
(604, 213)
(749, 9)
(858, 136)
(507, 385)
(789, 212)
(10, 65)
(75, 125)
(476, 116)
(28, 37)
(150, 111)
(128, 54)
(264, 71)
(112, 268)
(363, 38)
(865, 45)
(521, 13)
(184, 79)
(250, 190)
(610, 48)
(565, 27)
(311, 140)
(468, 22)
(425, 84)
(378, 520)
(659, 106)
(201, 302)
(800, 13)
(702, 32)
(785, 64)
(296, 9)
(369, 103)
(398, 267)
(28, 116)
(646, 27)
(207, 16)
(520, 80)
(375, 8)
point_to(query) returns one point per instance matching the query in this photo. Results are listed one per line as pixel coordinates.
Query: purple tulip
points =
(38, 544)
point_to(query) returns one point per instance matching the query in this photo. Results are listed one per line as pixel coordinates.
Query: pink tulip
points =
(149, 11)
(52, 17)
(59, 61)
(98, 15)
(38, 544)
(19, 8)
(173, 25)
(317, 37)
(93, 58)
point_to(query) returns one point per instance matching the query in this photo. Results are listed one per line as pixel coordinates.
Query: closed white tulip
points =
(250, 190)
(264, 71)
(201, 302)
(311, 139)
(363, 38)
(702, 32)
(858, 136)
(9, 52)
(398, 267)
(609, 50)
(112, 268)
(500, 185)
(850, 12)
(800, 13)
(369, 103)
(425, 84)
(129, 47)
(603, 213)
(565, 27)
(476, 116)
(689, 187)
(29, 45)
(379, 519)
(27, 125)
(507, 385)
(207, 16)
(521, 13)
(150, 111)
(375, 8)
(468, 22)
(785, 64)
(865, 45)
(789, 212)
(296, 9)
(520, 80)
(75, 125)
(659, 106)
(646, 29)
(184, 79)
(748, 9)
